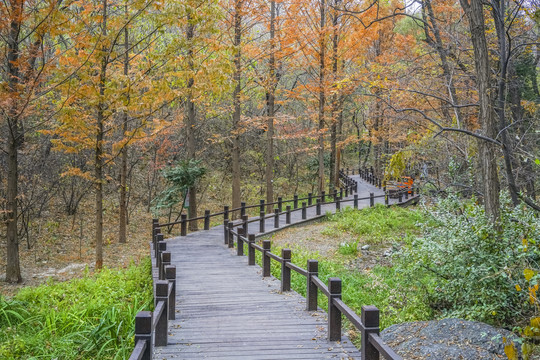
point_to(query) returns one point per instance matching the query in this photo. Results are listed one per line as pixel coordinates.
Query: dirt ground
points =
(62, 246)
(310, 238)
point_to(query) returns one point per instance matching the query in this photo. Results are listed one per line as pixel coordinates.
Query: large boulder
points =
(447, 339)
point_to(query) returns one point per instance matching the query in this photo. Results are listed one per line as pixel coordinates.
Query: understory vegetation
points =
(400, 299)
(445, 260)
(88, 318)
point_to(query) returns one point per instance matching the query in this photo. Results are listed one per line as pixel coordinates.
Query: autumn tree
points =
(28, 32)
(89, 116)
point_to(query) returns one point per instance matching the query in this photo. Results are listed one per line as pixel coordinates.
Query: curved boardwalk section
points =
(226, 310)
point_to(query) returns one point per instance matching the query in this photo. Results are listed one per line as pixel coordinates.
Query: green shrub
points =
(88, 318)
(476, 266)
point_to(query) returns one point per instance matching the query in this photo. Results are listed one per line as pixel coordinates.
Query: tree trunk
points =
(334, 166)
(13, 269)
(437, 44)
(98, 167)
(322, 95)
(270, 112)
(236, 104)
(487, 150)
(378, 123)
(122, 236)
(190, 124)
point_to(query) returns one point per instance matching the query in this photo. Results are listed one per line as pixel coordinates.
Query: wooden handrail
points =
(350, 186)
(138, 351)
(367, 323)
(383, 348)
(154, 325)
(151, 328)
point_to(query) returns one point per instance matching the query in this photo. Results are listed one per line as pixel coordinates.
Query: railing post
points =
(356, 186)
(155, 224)
(165, 261)
(162, 246)
(245, 224)
(159, 238)
(231, 235)
(371, 200)
(162, 325)
(311, 289)
(355, 203)
(265, 258)
(295, 201)
(251, 249)
(338, 203)
(400, 199)
(304, 210)
(261, 221)
(310, 199)
(334, 194)
(276, 218)
(261, 205)
(412, 191)
(280, 204)
(143, 331)
(406, 194)
(323, 196)
(170, 276)
(334, 314)
(318, 207)
(183, 225)
(370, 319)
(347, 190)
(285, 271)
(225, 212)
(206, 219)
(242, 209)
(226, 231)
(156, 231)
(288, 215)
(341, 193)
(239, 242)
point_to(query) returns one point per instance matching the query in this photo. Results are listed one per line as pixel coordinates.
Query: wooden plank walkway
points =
(226, 310)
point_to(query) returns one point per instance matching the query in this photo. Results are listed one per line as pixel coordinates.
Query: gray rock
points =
(447, 339)
(365, 247)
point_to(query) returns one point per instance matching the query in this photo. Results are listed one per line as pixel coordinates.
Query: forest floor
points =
(315, 238)
(62, 246)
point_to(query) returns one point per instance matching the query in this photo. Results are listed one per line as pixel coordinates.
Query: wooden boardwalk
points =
(226, 310)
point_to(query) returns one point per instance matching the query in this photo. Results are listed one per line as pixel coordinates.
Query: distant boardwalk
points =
(226, 310)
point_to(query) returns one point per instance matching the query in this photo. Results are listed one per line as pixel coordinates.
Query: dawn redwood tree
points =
(27, 33)
(91, 100)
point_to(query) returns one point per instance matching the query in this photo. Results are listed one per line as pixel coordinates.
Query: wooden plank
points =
(226, 310)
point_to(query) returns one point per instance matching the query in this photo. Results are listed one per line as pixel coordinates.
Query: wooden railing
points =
(151, 327)
(367, 323)
(348, 187)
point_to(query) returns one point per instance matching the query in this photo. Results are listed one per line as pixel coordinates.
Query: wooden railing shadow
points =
(151, 327)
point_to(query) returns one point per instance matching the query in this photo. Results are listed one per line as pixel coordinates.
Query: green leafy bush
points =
(476, 265)
(88, 318)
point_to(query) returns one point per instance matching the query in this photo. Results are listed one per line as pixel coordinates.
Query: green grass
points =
(375, 225)
(399, 296)
(399, 299)
(87, 318)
